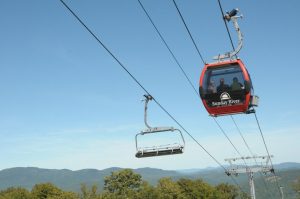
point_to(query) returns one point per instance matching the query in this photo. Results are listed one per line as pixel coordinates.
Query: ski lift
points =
(169, 149)
(225, 86)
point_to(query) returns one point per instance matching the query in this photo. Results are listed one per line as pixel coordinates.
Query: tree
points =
(147, 191)
(124, 183)
(43, 191)
(296, 187)
(168, 189)
(49, 191)
(15, 193)
(89, 194)
(243, 195)
(197, 189)
(227, 191)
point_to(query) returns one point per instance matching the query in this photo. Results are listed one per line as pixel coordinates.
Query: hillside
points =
(66, 179)
(27, 177)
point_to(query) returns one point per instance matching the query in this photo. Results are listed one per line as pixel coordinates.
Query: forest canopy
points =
(125, 184)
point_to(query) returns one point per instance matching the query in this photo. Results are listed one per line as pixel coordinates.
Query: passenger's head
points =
(235, 79)
(222, 81)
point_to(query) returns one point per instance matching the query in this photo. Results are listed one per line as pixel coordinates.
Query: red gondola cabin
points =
(225, 88)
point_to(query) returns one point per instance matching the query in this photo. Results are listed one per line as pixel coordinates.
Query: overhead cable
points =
(204, 63)
(264, 141)
(252, 154)
(186, 27)
(231, 42)
(229, 35)
(166, 44)
(174, 57)
(127, 71)
(222, 130)
(202, 60)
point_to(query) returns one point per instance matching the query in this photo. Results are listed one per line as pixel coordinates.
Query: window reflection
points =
(227, 78)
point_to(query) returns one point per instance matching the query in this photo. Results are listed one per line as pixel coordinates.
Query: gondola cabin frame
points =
(225, 99)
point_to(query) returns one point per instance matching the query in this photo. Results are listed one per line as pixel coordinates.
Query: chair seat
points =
(159, 151)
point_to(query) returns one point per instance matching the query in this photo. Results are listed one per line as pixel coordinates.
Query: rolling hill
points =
(70, 180)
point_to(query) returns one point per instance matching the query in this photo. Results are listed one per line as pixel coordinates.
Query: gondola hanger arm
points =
(232, 16)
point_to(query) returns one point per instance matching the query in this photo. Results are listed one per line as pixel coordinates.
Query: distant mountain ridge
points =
(66, 179)
(287, 165)
(281, 166)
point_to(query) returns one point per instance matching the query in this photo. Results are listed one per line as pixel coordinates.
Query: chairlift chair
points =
(168, 149)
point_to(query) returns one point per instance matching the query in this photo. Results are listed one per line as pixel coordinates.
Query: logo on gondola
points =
(226, 100)
(225, 96)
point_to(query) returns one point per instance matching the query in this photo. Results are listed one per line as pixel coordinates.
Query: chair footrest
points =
(150, 152)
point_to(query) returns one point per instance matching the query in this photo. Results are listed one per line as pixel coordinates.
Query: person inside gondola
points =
(222, 87)
(236, 85)
(212, 87)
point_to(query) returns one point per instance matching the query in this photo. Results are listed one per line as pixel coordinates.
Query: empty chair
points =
(157, 150)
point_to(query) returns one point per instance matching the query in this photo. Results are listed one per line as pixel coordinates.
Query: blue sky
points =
(65, 103)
